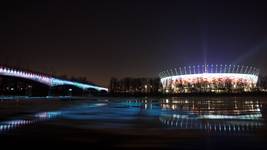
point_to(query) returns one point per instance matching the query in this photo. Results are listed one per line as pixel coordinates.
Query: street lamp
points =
(70, 92)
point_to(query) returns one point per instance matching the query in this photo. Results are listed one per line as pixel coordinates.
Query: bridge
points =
(46, 79)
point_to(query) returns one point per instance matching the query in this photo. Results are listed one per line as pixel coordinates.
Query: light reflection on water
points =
(100, 114)
(6, 126)
(234, 116)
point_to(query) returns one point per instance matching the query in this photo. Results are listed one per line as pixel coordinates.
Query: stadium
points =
(209, 78)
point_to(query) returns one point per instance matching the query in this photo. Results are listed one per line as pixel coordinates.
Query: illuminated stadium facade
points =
(209, 78)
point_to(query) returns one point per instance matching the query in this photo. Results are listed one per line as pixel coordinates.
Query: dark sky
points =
(102, 39)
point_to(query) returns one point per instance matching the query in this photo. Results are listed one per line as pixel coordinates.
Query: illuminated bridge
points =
(46, 79)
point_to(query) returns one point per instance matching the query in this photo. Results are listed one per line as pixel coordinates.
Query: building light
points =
(228, 78)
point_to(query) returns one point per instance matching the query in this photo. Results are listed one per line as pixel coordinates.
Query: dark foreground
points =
(171, 123)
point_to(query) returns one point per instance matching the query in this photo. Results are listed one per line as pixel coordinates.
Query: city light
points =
(50, 81)
(207, 78)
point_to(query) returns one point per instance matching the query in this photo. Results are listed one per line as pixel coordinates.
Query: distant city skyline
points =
(100, 40)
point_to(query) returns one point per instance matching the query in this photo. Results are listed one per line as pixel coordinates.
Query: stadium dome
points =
(209, 78)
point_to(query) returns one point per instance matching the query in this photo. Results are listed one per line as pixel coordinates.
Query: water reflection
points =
(230, 116)
(102, 114)
(47, 115)
(6, 126)
(235, 116)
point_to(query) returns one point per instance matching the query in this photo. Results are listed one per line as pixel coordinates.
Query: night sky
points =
(104, 39)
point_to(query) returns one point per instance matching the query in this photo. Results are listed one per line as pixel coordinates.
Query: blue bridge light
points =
(47, 80)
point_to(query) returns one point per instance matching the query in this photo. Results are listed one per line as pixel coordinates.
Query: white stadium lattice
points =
(209, 78)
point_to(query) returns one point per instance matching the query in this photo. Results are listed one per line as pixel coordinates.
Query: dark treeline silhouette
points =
(262, 83)
(130, 85)
(13, 86)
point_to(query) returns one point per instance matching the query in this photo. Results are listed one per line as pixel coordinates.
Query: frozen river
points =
(187, 123)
